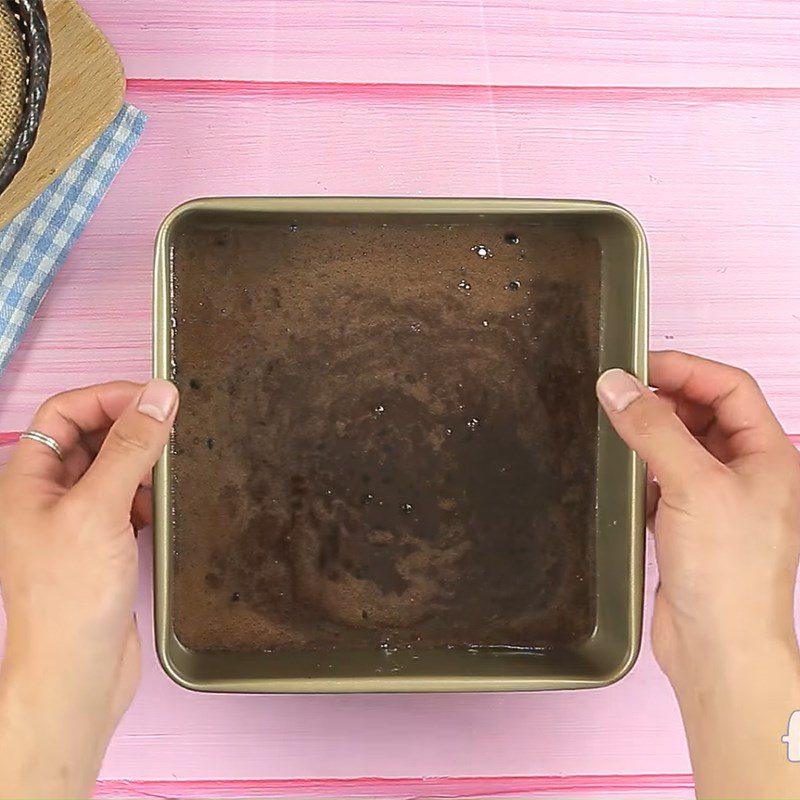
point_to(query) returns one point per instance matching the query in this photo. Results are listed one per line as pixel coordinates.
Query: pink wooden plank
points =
(505, 42)
(712, 175)
(558, 786)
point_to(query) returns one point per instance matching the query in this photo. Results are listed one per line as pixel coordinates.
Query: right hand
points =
(724, 492)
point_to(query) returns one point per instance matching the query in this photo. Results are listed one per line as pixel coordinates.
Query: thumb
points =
(132, 446)
(650, 427)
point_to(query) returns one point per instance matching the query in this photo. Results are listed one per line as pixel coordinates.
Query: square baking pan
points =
(609, 645)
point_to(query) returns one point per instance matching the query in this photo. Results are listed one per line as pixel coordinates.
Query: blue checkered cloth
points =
(35, 243)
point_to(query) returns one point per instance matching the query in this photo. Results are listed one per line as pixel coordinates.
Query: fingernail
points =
(158, 399)
(617, 389)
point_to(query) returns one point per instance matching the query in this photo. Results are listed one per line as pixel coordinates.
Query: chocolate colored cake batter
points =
(387, 433)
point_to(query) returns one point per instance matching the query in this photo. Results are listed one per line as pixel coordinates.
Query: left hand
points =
(68, 556)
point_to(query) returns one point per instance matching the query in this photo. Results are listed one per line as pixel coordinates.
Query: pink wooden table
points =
(686, 113)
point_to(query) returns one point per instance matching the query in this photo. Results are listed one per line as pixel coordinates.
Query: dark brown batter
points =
(387, 433)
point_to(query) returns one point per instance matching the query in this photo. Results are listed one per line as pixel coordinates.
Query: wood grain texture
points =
(556, 786)
(712, 175)
(502, 42)
(85, 94)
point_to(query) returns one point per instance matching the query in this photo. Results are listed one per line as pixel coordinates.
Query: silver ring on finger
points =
(43, 438)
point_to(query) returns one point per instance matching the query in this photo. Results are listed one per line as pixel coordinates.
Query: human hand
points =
(68, 557)
(726, 512)
(724, 500)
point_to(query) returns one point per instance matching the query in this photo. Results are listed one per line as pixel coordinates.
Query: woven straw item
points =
(24, 75)
(12, 79)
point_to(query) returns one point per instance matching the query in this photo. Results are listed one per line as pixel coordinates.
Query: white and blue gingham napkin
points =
(35, 243)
